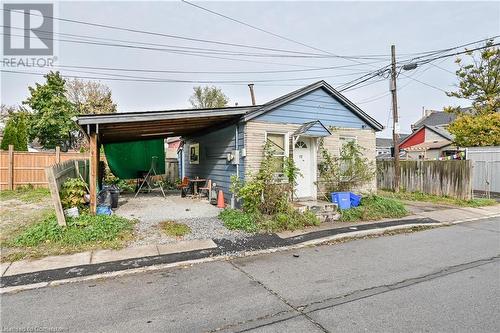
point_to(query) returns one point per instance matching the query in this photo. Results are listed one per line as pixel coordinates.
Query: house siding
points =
(214, 147)
(414, 139)
(364, 138)
(316, 105)
(255, 138)
(255, 134)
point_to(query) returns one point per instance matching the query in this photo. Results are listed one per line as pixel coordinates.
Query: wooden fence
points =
(57, 174)
(445, 178)
(22, 168)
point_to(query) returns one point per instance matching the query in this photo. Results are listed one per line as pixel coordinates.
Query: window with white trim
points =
(343, 141)
(278, 146)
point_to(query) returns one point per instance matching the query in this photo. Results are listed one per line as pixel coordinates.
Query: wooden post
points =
(58, 155)
(94, 171)
(54, 192)
(10, 180)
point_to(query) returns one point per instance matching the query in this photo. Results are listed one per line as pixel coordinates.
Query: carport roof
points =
(131, 126)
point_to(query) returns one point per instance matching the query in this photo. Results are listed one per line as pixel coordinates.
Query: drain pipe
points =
(233, 198)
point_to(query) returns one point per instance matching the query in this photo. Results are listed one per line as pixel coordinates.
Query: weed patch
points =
(26, 194)
(174, 229)
(238, 220)
(374, 207)
(291, 220)
(419, 196)
(79, 231)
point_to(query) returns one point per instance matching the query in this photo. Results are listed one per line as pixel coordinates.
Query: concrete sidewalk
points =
(102, 256)
(100, 261)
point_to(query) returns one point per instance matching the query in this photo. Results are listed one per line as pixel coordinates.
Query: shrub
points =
(72, 193)
(374, 207)
(174, 229)
(85, 229)
(266, 199)
(347, 171)
(292, 220)
(238, 220)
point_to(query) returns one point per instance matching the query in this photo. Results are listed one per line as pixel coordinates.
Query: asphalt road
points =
(440, 280)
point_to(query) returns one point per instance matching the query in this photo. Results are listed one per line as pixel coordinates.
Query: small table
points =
(195, 182)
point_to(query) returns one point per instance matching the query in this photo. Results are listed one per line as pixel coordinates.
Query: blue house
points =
(292, 124)
(219, 143)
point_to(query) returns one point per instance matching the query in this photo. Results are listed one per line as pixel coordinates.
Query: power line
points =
(272, 33)
(180, 51)
(208, 72)
(129, 78)
(191, 39)
(86, 37)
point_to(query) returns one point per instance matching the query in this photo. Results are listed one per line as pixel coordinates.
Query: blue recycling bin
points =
(355, 199)
(342, 199)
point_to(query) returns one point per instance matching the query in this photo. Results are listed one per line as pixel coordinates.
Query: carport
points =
(135, 126)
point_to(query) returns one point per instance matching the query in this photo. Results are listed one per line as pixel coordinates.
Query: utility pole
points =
(395, 120)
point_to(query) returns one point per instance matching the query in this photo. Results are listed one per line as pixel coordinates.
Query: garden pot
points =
(72, 212)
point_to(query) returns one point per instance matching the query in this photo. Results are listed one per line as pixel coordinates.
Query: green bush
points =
(85, 229)
(374, 207)
(238, 220)
(73, 191)
(292, 220)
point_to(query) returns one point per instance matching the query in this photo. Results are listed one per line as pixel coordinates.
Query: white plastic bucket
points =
(72, 212)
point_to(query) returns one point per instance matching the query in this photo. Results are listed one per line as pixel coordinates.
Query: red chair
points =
(184, 186)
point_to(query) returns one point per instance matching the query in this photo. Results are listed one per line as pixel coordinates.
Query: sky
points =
(340, 28)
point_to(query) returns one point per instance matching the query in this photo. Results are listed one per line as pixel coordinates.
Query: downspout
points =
(233, 199)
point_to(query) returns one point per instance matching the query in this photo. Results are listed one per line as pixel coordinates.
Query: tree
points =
(22, 132)
(51, 121)
(208, 97)
(15, 131)
(9, 135)
(89, 97)
(474, 131)
(479, 82)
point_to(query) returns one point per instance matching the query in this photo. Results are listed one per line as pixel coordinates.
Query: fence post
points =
(10, 175)
(58, 155)
(54, 193)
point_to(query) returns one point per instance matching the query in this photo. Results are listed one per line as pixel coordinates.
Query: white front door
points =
(304, 159)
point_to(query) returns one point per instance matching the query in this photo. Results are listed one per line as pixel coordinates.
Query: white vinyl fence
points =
(485, 169)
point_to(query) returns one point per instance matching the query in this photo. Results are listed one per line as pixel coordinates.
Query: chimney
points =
(250, 85)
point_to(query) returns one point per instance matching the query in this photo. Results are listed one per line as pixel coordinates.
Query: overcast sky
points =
(345, 28)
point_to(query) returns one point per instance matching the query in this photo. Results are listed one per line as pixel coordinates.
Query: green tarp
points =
(126, 159)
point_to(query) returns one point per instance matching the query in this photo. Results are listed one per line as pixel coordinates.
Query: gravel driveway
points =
(151, 209)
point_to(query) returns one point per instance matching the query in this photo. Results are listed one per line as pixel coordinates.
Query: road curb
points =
(269, 244)
(245, 253)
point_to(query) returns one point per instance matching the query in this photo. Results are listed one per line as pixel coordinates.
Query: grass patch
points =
(26, 194)
(174, 229)
(82, 233)
(292, 220)
(419, 196)
(238, 220)
(374, 207)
